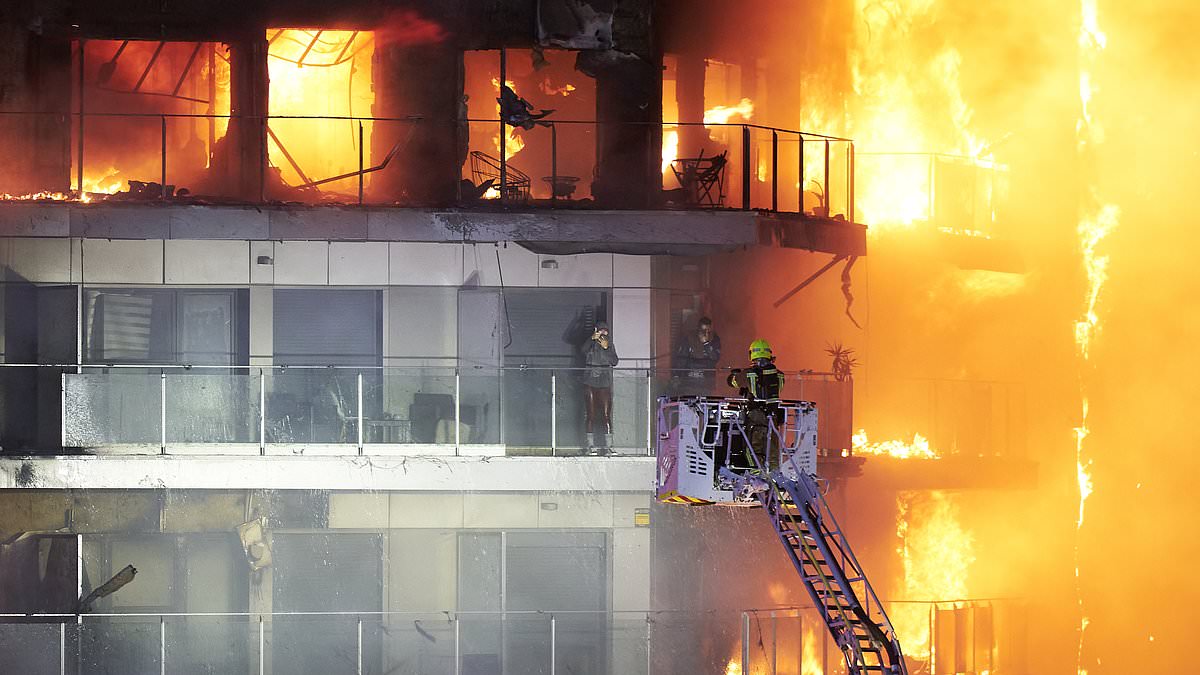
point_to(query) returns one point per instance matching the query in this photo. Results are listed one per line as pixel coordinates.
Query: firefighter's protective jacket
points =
(761, 383)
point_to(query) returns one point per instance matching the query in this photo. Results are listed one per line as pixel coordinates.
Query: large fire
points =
(1097, 221)
(319, 73)
(917, 449)
(897, 84)
(936, 551)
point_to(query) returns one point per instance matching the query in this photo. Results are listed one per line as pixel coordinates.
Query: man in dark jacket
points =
(599, 357)
(696, 356)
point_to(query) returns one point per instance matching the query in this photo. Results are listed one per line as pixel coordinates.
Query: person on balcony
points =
(762, 386)
(696, 356)
(599, 357)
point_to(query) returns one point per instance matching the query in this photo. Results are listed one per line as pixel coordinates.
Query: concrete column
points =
(629, 137)
(689, 91)
(425, 81)
(35, 75)
(241, 162)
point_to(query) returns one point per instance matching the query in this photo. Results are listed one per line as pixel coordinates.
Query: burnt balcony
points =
(752, 184)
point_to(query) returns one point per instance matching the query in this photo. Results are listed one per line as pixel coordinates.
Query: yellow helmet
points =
(761, 349)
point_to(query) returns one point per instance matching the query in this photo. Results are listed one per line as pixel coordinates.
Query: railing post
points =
(62, 647)
(162, 188)
(929, 192)
(853, 179)
(649, 659)
(361, 175)
(800, 172)
(746, 168)
(457, 651)
(360, 650)
(360, 413)
(774, 645)
(62, 408)
(553, 643)
(828, 187)
(457, 408)
(262, 646)
(262, 412)
(745, 642)
(503, 131)
(263, 156)
(650, 409)
(553, 162)
(162, 411)
(774, 170)
(80, 96)
(554, 413)
(162, 645)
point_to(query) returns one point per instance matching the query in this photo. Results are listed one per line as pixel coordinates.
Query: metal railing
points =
(952, 193)
(952, 636)
(958, 417)
(762, 168)
(450, 410)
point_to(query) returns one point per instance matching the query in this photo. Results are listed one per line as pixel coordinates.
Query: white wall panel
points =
(519, 265)
(500, 510)
(262, 326)
(207, 261)
(38, 260)
(115, 261)
(422, 570)
(631, 555)
(631, 324)
(264, 273)
(438, 509)
(585, 270)
(359, 510)
(358, 263)
(421, 322)
(426, 264)
(575, 509)
(631, 270)
(301, 263)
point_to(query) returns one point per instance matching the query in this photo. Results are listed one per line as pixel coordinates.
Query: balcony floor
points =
(341, 472)
(693, 232)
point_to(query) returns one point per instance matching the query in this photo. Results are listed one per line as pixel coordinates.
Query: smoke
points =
(407, 28)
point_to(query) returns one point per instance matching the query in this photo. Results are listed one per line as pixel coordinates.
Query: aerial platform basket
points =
(700, 435)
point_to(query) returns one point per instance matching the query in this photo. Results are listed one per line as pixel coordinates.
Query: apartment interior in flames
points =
(215, 214)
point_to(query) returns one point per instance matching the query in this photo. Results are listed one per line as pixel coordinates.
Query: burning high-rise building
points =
(295, 298)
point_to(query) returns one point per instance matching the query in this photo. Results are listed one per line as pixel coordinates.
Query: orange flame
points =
(670, 148)
(893, 76)
(512, 142)
(548, 88)
(1096, 223)
(315, 73)
(917, 449)
(722, 114)
(810, 661)
(936, 552)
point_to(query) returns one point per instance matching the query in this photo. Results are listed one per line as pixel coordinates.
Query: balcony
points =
(966, 635)
(335, 411)
(754, 184)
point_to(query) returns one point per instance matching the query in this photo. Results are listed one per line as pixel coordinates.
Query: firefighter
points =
(761, 385)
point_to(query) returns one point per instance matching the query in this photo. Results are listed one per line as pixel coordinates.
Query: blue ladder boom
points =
(831, 574)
